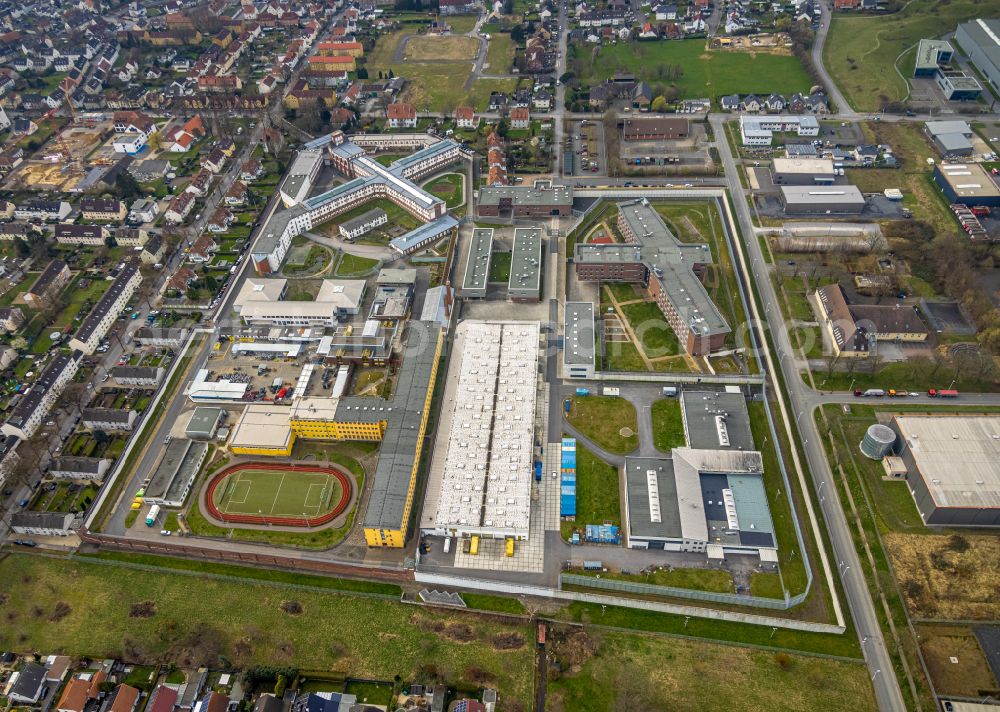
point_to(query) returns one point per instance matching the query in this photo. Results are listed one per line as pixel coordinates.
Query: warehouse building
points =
(175, 473)
(835, 200)
(526, 266)
(579, 344)
(671, 271)
(483, 481)
(952, 138)
(204, 422)
(980, 39)
(477, 267)
(952, 467)
(263, 429)
(803, 171)
(525, 201)
(967, 184)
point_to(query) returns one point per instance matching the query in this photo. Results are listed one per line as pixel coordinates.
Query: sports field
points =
(289, 495)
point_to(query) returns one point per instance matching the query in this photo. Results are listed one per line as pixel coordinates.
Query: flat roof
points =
(526, 260)
(403, 435)
(968, 180)
(477, 268)
(833, 195)
(954, 126)
(262, 425)
(397, 275)
(180, 461)
(985, 32)
(264, 302)
(556, 195)
(927, 53)
(297, 179)
(203, 420)
(652, 498)
(957, 456)
(812, 166)
(488, 466)
(716, 420)
(579, 343)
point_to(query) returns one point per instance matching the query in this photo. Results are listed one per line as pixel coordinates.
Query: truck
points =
(154, 512)
(874, 393)
(593, 566)
(583, 391)
(942, 393)
(612, 391)
(670, 391)
(981, 211)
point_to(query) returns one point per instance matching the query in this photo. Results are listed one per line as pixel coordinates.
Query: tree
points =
(362, 73)
(279, 686)
(72, 396)
(659, 104)
(126, 186)
(22, 247)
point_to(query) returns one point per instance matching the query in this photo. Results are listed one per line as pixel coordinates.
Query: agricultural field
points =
(604, 671)
(609, 421)
(871, 57)
(97, 610)
(702, 73)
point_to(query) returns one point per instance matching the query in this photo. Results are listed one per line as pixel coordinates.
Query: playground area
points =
(288, 495)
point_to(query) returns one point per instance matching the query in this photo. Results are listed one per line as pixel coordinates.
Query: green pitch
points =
(278, 493)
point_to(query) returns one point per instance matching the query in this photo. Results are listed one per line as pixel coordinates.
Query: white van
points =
(447, 544)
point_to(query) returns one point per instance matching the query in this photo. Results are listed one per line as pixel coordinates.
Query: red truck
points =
(981, 211)
(942, 393)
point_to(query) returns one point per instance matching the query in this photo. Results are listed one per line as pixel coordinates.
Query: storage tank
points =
(878, 441)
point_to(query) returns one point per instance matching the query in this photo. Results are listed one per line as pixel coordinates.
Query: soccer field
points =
(277, 493)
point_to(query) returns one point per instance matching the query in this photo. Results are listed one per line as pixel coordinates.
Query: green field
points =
(603, 419)
(278, 493)
(668, 424)
(698, 579)
(449, 187)
(200, 620)
(867, 54)
(607, 672)
(711, 74)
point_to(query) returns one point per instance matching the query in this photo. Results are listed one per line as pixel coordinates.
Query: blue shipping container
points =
(567, 506)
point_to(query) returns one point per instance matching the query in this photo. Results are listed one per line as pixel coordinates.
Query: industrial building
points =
(263, 429)
(931, 55)
(705, 497)
(967, 184)
(933, 60)
(834, 200)
(525, 201)
(579, 343)
(952, 138)
(204, 422)
(477, 267)
(526, 265)
(262, 302)
(803, 171)
(952, 467)
(488, 460)
(175, 473)
(980, 39)
(368, 180)
(670, 270)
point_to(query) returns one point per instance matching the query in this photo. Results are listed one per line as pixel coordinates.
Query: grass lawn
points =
(500, 267)
(479, 96)
(497, 604)
(499, 53)
(652, 330)
(622, 356)
(199, 620)
(861, 51)
(449, 187)
(388, 158)
(447, 47)
(765, 585)
(703, 73)
(668, 425)
(698, 579)
(620, 671)
(353, 265)
(601, 418)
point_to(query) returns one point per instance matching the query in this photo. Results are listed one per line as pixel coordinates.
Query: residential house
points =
(520, 118)
(42, 210)
(102, 210)
(465, 118)
(220, 221)
(202, 249)
(147, 375)
(11, 319)
(751, 103)
(775, 103)
(27, 684)
(214, 161)
(251, 170)
(179, 208)
(237, 194)
(401, 115)
(125, 698)
(108, 418)
(50, 282)
(72, 234)
(181, 140)
(144, 210)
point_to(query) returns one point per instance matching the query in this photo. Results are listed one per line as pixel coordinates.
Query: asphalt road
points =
(887, 691)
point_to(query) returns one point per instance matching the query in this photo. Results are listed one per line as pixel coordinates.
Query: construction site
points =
(64, 162)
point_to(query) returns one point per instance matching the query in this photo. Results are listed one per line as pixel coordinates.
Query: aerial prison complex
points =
(368, 180)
